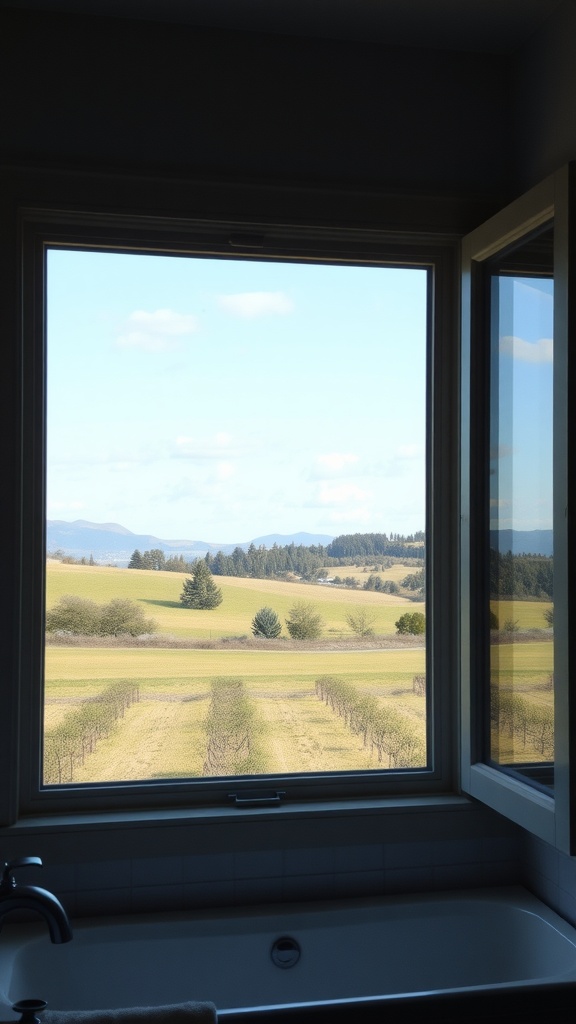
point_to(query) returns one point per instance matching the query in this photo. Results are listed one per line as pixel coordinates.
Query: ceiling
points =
(493, 26)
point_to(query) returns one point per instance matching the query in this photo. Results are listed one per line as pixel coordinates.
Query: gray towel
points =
(177, 1013)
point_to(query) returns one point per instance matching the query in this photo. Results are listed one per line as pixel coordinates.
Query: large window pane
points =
(259, 429)
(520, 493)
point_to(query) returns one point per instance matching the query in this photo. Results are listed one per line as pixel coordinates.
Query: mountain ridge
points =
(112, 542)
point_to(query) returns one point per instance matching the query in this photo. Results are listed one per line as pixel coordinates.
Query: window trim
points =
(36, 223)
(549, 817)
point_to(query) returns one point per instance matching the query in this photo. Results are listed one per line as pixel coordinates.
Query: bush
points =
(304, 622)
(411, 622)
(124, 616)
(361, 621)
(74, 614)
(82, 617)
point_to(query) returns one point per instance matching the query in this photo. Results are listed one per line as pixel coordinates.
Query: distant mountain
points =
(523, 542)
(112, 543)
(282, 539)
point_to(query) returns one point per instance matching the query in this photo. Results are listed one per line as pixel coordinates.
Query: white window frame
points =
(87, 217)
(550, 817)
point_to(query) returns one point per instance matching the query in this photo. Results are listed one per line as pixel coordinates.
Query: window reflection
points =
(521, 612)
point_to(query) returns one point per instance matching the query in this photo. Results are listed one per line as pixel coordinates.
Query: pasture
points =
(159, 595)
(163, 735)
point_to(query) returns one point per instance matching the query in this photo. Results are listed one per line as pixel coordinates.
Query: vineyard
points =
(228, 725)
(124, 713)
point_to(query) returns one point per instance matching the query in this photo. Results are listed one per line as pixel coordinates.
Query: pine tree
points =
(136, 562)
(200, 591)
(266, 623)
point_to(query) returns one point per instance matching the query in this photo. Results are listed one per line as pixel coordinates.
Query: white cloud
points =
(540, 351)
(409, 451)
(249, 305)
(215, 447)
(335, 462)
(65, 506)
(339, 494)
(225, 470)
(159, 331)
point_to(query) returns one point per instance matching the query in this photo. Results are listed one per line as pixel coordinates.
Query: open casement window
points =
(49, 235)
(518, 561)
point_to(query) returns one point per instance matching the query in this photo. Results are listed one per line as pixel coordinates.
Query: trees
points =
(200, 591)
(411, 622)
(121, 615)
(73, 614)
(266, 623)
(304, 622)
(82, 617)
(361, 621)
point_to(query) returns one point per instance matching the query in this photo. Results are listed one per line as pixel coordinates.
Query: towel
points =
(176, 1013)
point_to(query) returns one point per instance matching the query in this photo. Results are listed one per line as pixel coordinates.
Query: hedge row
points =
(520, 717)
(230, 725)
(67, 745)
(382, 728)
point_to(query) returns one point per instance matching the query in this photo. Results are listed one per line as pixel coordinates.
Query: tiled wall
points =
(255, 877)
(551, 876)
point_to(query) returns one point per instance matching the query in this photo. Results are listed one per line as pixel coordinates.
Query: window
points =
(88, 240)
(517, 566)
(264, 404)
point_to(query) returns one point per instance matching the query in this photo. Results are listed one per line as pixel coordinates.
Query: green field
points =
(159, 595)
(163, 734)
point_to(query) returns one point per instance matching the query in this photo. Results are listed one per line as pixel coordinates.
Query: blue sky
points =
(222, 400)
(522, 433)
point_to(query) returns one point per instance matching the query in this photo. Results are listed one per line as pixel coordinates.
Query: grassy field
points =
(159, 595)
(525, 614)
(163, 734)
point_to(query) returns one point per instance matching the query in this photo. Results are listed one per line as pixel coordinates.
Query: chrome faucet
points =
(30, 897)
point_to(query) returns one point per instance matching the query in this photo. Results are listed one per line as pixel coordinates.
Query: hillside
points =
(159, 595)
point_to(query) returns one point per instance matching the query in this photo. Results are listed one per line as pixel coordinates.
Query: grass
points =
(528, 614)
(159, 595)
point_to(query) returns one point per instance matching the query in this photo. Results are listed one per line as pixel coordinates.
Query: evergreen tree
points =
(136, 562)
(200, 591)
(266, 623)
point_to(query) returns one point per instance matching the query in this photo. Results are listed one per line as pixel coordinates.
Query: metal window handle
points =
(257, 799)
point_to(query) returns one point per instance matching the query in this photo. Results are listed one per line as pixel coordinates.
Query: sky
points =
(521, 494)
(222, 400)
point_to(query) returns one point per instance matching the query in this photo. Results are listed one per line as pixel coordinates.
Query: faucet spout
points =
(31, 897)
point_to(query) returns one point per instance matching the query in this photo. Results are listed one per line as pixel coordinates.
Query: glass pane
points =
(521, 530)
(274, 415)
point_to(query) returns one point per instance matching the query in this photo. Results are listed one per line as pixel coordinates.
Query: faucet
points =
(30, 897)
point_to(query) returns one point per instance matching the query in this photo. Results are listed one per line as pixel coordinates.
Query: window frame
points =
(37, 225)
(549, 817)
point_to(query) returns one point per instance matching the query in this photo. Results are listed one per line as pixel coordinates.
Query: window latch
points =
(257, 798)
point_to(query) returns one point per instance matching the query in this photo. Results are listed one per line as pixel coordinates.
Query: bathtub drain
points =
(285, 952)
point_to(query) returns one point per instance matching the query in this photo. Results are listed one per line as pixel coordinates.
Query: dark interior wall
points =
(544, 91)
(109, 92)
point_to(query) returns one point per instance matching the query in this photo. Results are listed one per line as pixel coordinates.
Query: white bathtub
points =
(349, 950)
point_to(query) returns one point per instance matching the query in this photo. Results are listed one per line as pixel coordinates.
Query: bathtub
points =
(294, 956)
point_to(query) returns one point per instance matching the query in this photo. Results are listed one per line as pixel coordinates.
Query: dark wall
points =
(545, 99)
(109, 92)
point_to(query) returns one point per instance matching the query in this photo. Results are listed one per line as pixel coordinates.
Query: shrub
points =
(304, 622)
(411, 622)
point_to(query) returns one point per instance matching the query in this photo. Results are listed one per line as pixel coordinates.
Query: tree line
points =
(366, 545)
(521, 576)
(307, 562)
